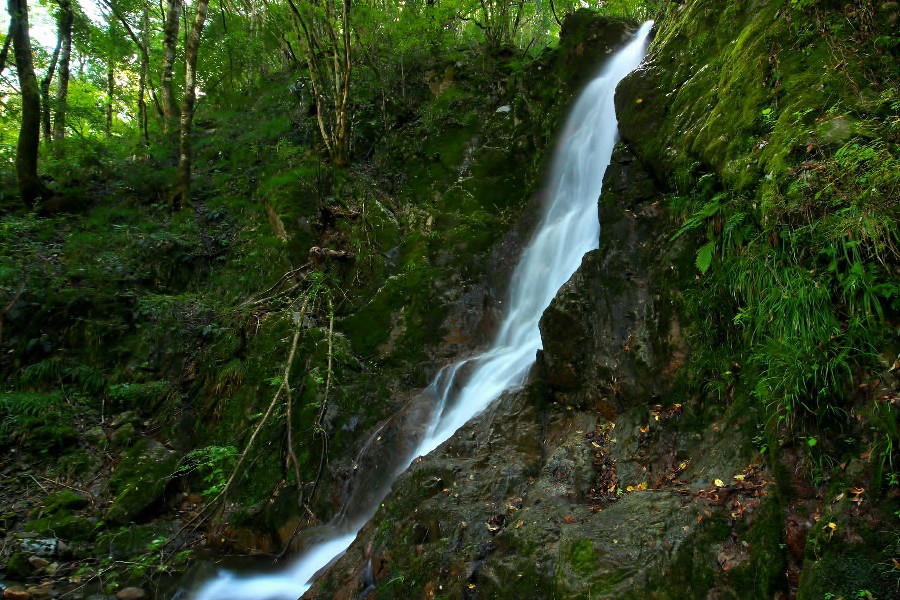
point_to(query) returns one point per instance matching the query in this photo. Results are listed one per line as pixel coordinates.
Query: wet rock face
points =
(533, 500)
(587, 41)
(610, 336)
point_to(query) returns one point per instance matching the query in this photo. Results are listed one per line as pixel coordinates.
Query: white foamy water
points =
(569, 228)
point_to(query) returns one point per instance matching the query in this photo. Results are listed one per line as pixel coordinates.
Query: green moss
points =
(140, 480)
(854, 558)
(65, 499)
(582, 557)
(764, 573)
(64, 525)
(139, 396)
(404, 304)
(17, 566)
(129, 542)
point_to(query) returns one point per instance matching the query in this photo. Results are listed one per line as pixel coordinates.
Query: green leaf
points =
(811, 441)
(704, 256)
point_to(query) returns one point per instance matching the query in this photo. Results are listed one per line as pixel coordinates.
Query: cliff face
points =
(651, 456)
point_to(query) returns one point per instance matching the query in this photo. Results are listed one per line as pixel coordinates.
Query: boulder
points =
(18, 566)
(610, 336)
(124, 436)
(140, 480)
(16, 593)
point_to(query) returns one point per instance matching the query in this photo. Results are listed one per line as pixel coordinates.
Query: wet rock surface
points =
(611, 335)
(532, 500)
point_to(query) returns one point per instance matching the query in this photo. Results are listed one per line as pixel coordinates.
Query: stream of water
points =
(569, 228)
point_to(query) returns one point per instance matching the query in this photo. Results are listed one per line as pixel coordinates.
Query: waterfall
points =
(569, 228)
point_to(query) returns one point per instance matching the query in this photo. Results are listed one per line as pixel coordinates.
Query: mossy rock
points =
(124, 436)
(127, 542)
(66, 499)
(18, 567)
(855, 559)
(140, 480)
(64, 525)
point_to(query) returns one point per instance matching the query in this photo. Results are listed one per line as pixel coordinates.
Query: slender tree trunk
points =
(191, 49)
(5, 52)
(142, 80)
(342, 92)
(143, 44)
(170, 43)
(45, 91)
(30, 185)
(65, 56)
(555, 16)
(328, 57)
(110, 92)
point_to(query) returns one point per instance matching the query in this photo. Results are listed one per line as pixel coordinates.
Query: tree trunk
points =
(45, 90)
(170, 43)
(110, 91)
(143, 44)
(62, 86)
(5, 52)
(342, 93)
(142, 81)
(328, 56)
(30, 185)
(182, 193)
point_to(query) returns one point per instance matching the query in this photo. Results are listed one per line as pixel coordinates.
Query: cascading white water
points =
(569, 228)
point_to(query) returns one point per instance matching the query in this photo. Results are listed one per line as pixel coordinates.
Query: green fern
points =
(60, 373)
(20, 411)
(700, 217)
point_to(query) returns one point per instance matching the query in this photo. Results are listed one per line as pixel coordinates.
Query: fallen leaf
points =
(569, 518)
(739, 477)
(719, 483)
